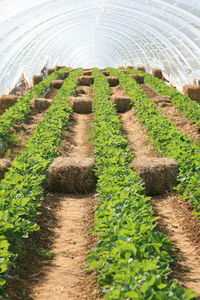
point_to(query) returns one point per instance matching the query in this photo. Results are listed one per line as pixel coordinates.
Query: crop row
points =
(168, 139)
(189, 108)
(17, 113)
(21, 189)
(131, 259)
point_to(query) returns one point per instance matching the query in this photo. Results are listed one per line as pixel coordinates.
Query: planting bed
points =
(105, 126)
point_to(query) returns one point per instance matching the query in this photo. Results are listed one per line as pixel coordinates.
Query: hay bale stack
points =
(141, 68)
(59, 67)
(72, 175)
(36, 79)
(57, 84)
(83, 90)
(50, 71)
(105, 73)
(65, 74)
(192, 91)
(122, 103)
(6, 101)
(158, 174)
(4, 165)
(86, 80)
(112, 80)
(40, 104)
(161, 99)
(87, 72)
(81, 105)
(139, 78)
(157, 73)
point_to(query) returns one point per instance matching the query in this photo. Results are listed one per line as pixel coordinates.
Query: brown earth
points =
(65, 223)
(171, 112)
(176, 219)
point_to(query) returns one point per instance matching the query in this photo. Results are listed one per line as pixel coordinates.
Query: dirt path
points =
(171, 112)
(70, 218)
(176, 219)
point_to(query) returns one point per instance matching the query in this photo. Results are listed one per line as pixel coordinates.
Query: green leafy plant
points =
(131, 259)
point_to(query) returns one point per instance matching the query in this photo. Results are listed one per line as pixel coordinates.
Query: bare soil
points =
(65, 223)
(176, 219)
(171, 112)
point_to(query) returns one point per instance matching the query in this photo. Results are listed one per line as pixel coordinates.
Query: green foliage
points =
(21, 189)
(131, 259)
(168, 139)
(18, 112)
(189, 108)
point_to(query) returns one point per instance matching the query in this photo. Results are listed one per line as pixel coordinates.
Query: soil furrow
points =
(65, 223)
(176, 219)
(171, 112)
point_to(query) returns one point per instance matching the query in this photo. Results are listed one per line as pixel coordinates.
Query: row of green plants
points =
(167, 138)
(131, 258)
(22, 188)
(189, 108)
(17, 113)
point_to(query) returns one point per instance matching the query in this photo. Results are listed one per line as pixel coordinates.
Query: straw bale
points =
(59, 67)
(159, 174)
(36, 79)
(139, 78)
(86, 80)
(65, 74)
(141, 68)
(112, 80)
(157, 73)
(57, 84)
(50, 70)
(122, 103)
(192, 91)
(87, 72)
(81, 105)
(6, 101)
(41, 104)
(83, 90)
(4, 165)
(161, 99)
(105, 73)
(72, 175)
(130, 67)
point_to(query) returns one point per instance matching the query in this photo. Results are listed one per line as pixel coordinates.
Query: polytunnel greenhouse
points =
(100, 149)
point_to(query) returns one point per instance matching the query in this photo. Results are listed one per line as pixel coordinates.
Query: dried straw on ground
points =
(139, 78)
(57, 83)
(141, 68)
(157, 73)
(81, 105)
(122, 103)
(118, 91)
(86, 80)
(192, 91)
(112, 80)
(161, 99)
(158, 174)
(40, 104)
(4, 165)
(87, 72)
(72, 175)
(50, 70)
(6, 101)
(36, 79)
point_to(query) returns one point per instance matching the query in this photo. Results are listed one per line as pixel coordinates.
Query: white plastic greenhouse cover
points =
(101, 33)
